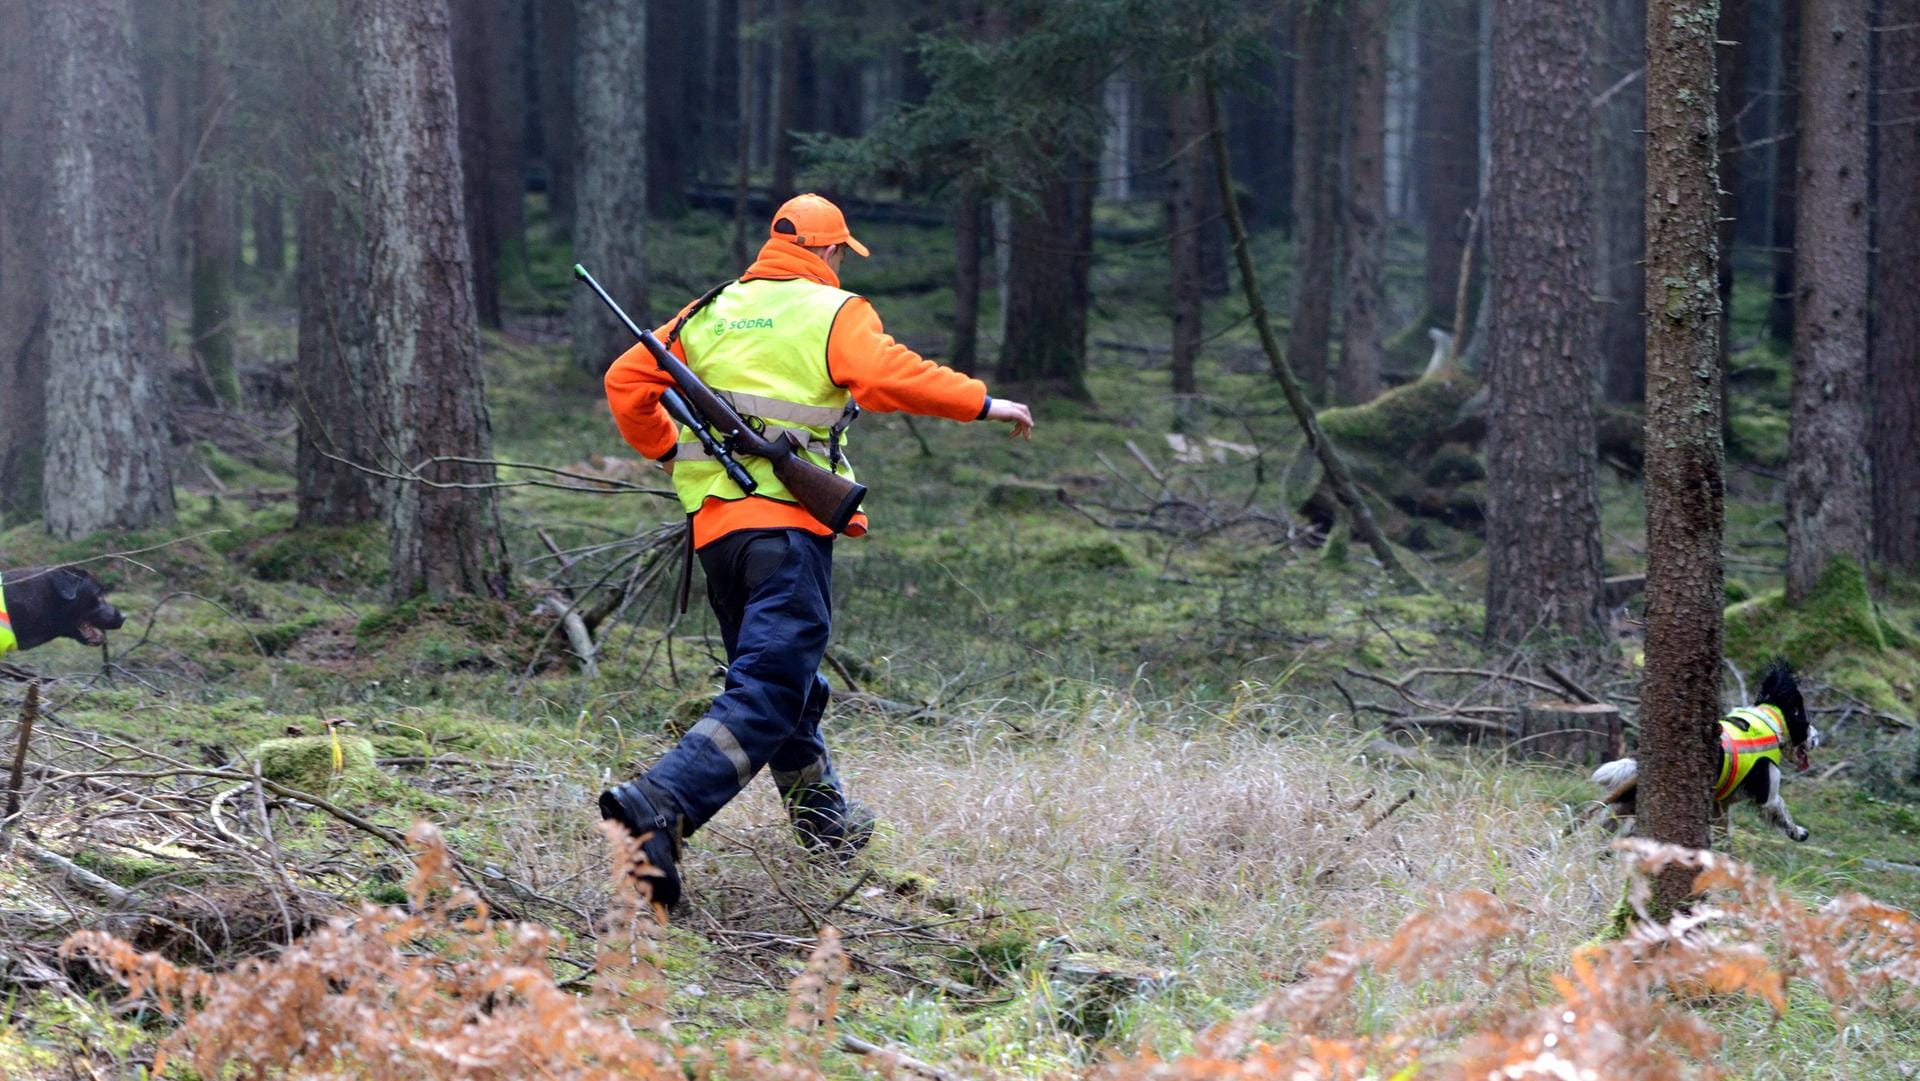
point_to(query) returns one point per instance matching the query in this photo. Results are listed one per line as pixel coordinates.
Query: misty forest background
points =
(1435, 397)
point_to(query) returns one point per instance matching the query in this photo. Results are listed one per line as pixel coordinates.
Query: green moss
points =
(353, 556)
(126, 868)
(1736, 590)
(1102, 554)
(1397, 421)
(306, 763)
(1837, 633)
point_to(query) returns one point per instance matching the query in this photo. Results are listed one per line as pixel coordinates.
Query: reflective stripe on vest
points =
(1748, 736)
(763, 345)
(7, 640)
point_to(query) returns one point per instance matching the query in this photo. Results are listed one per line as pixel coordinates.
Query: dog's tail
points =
(1616, 773)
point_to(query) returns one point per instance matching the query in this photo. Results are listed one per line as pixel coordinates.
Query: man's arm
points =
(886, 377)
(634, 385)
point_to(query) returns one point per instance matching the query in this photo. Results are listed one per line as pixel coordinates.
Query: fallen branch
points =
(29, 712)
(893, 1061)
(1568, 685)
(1470, 724)
(107, 891)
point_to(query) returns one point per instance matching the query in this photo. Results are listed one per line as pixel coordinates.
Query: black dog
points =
(1754, 741)
(45, 603)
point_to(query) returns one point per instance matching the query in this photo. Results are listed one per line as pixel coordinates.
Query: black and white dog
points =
(1754, 741)
(44, 603)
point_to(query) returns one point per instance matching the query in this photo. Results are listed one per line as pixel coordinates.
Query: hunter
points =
(789, 347)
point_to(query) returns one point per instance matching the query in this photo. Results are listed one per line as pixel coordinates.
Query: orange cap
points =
(813, 222)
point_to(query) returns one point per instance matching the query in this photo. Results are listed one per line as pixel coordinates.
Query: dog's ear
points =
(68, 582)
(1778, 682)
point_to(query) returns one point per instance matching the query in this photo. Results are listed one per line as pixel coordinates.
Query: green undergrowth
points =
(1840, 633)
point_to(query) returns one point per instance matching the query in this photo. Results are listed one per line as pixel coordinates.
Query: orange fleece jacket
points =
(882, 375)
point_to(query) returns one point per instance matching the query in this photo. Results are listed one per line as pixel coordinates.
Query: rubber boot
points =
(636, 806)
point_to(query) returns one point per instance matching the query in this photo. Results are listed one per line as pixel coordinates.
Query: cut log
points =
(1580, 733)
(1622, 588)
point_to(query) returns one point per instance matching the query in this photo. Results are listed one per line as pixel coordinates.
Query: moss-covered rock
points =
(1019, 495)
(1098, 554)
(352, 556)
(307, 763)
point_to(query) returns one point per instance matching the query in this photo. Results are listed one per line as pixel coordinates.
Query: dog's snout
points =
(107, 617)
(1814, 738)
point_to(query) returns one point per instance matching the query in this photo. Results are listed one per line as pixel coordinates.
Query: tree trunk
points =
(671, 139)
(214, 240)
(442, 541)
(786, 110)
(338, 389)
(1260, 131)
(1896, 325)
(1366, 203)
(1829, 495)
(1679, 741)
(1192, 169)
(163, 46)
(490, 76)
(106, 447)
(1316, 143)
(1730, 69)
(557, 23)
(23, 264)
(1044, 351)
(610, 218)
(1447, 140)
(1786, 156)
(1543, 519)
(743, 130)
(269, 232)
(969, 212)
(1621, 175)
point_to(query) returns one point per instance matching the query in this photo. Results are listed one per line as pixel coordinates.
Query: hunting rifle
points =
(723, 432)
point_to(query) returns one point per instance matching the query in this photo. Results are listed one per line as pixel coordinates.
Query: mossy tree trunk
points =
(1543, 506)
(443, 523)
(1316, 149)
(1896, 278)
(1685, 490)
(1829, 494)
(1447, 138)
(106, 447)
(1365, 208)
(23, 265)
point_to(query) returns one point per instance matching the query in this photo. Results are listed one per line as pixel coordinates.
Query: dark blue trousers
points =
(772, 592)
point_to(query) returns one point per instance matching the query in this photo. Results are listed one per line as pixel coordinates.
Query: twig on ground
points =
(898, 1061)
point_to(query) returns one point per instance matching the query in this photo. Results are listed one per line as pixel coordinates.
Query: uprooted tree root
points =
(443, 990)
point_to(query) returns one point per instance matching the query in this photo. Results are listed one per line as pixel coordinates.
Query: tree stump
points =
(1575, 732)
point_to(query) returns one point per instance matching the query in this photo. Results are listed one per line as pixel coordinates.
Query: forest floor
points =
(1110, 698)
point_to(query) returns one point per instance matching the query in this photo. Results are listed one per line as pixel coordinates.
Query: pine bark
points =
(1730, 69)
(556, 23)
(1896, 282)
(1684, 466)
(786, 107)
(1044, 350)
(339, 391)
(1786, 183)
(1543, 522)
(1446, 147)
(1621, 179)
(213, 238)
(1366, 203)
(106, 444)
(424, 332)
(969, 221)
(611, 212)
(490, 80)
(23, 265)
(1829, 493)
(1192, 172)
(672, 138)
(1316, 146)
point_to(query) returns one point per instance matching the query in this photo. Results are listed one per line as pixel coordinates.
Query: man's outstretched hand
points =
(1014, 413)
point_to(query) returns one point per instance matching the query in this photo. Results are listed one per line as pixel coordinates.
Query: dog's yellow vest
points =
(1748, 736)
(7, 640)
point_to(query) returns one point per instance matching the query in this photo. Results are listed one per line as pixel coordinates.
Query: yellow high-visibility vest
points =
(1748, 736)
(762, 344)
(7, 640)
